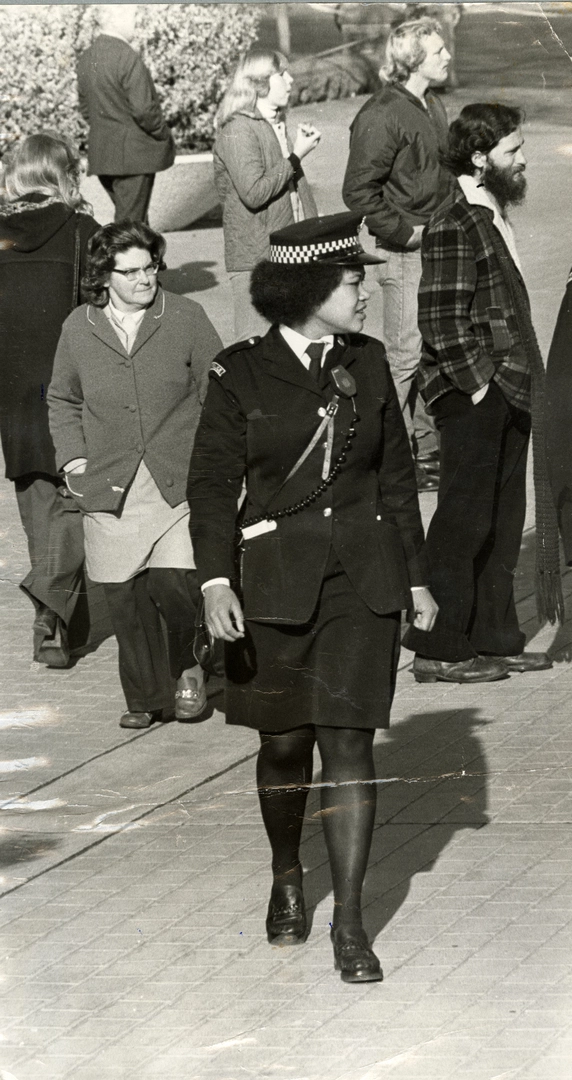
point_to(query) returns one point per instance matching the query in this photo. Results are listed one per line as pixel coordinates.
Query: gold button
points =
(328, 511)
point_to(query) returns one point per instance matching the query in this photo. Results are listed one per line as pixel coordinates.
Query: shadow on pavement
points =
(23, 847)
(435, 774)
(190, 277)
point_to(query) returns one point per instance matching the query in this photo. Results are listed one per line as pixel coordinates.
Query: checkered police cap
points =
(332, 239)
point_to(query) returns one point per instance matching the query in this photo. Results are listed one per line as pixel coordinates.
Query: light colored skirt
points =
(146, 533)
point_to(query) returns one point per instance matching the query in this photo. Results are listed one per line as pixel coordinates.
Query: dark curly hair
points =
(290, 294)
(105, 244)
(478, 129)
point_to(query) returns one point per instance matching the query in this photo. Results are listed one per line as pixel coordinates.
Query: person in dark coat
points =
(44, 229)
(129, 140)
(331, 547)
(129, 380)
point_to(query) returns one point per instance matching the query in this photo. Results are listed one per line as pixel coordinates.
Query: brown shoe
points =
(140, 719)
(477, 669)
(526, 661)
(190, 698)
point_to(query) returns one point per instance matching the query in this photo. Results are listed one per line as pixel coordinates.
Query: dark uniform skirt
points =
(338, 670)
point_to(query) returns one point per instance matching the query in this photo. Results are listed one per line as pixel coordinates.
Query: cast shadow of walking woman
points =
(432, 782)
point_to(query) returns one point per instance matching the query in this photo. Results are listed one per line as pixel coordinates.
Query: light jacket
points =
(116, 409)
(253, 181)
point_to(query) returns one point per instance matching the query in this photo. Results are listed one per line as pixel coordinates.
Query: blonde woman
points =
(44, 230)
(258, 173)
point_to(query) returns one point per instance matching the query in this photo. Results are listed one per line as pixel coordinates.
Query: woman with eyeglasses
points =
(129, 380)
(258, 173)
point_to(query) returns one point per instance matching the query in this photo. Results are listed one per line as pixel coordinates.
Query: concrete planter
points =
(182, 194)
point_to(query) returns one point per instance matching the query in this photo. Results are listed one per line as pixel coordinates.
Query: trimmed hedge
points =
(190, 50)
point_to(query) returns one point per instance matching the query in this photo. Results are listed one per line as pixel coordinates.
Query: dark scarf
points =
(549, 598)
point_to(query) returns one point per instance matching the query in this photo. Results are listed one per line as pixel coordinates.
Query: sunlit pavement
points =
(135, 869)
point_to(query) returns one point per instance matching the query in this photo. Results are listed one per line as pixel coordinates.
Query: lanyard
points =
(327, 422)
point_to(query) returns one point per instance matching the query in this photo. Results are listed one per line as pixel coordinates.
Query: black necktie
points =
(315, 351)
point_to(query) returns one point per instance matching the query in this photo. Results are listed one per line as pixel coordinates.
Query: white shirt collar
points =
(477, 194)
(134, 317)
(298, 343)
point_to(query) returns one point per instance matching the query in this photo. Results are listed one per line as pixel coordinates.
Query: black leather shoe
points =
(527, 661)
(140, 719)
(286, 919)
(52, 650)
(476, 670)
(430, 463)
(353, 957)
(426, 481)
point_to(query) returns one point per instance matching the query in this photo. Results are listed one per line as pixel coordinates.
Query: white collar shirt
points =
(298, 343)
(477, 194)
(125, 323)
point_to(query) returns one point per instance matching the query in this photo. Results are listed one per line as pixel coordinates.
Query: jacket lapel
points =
(151, 322)
(102, 328)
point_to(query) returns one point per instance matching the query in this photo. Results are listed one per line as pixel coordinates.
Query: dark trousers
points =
(54, 531)
(147, 662)
(474, 537)
(130, 195)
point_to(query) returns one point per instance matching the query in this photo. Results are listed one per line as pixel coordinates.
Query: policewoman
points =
(330, 548)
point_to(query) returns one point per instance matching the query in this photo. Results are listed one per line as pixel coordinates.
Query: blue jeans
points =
(399, 279)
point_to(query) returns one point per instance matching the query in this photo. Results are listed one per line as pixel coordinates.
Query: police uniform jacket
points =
(261, 410)
(117, 408)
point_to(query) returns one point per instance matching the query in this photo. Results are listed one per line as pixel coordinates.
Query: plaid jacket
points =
(466, 317)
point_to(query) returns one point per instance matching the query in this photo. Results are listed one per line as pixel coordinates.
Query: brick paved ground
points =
(135, 869)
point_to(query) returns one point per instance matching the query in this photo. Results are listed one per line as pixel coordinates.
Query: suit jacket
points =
(115, 408)
(127, 133)
(261, 410)
(466, 314)
(253, 180)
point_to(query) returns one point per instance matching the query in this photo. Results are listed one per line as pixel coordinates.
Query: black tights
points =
(284, 772)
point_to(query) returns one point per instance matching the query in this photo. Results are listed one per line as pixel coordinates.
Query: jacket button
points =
(127, 363)
(132, 408)
(327, 512)
(139, 447)
(379, 517)
(169, 482)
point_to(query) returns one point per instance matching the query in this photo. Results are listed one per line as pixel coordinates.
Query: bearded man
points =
(479, 353)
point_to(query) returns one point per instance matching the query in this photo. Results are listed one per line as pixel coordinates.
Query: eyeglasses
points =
(131, 275)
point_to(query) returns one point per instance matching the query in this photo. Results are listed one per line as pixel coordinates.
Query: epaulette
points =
(239, 346)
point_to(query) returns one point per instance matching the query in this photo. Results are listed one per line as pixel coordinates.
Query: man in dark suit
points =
(129, 140)
(479, 352)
